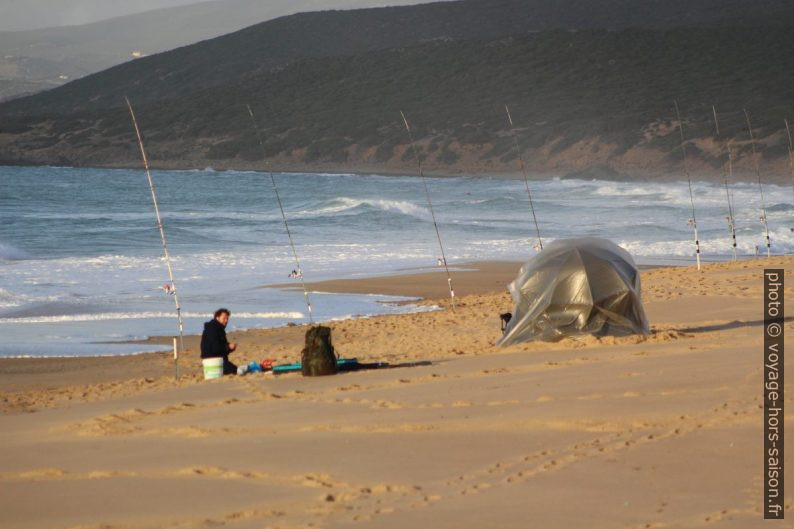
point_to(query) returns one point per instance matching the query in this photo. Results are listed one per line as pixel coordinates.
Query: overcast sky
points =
(30, 14)
(16, 15)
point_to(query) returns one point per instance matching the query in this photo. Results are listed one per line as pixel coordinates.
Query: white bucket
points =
(213, 368)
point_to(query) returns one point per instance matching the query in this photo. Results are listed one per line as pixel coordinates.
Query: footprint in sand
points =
(219, 472)
(386, 404)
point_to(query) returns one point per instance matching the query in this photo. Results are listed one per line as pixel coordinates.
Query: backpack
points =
(318, 357)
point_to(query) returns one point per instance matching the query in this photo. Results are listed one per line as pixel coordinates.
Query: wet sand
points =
(470, 278)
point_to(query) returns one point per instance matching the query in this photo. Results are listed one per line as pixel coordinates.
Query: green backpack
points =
(318, 357)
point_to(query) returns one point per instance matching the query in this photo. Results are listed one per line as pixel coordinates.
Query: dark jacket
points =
(213, 340)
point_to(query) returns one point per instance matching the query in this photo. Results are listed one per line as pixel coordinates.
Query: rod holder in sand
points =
(176, 359)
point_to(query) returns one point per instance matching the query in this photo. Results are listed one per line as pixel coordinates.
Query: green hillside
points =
(613, 87)
(259, 49)
(328, 87)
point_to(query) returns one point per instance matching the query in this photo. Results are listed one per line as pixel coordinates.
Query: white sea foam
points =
(65, 318)
(9, 299)
(346, 204)
(10, 252)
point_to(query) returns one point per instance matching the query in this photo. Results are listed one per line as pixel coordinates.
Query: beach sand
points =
(661, 431)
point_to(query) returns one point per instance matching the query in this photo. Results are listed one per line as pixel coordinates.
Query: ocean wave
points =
(9, 299)
(346, 204)
(783, 207)
(492, 201)
(9, 252)
(109, 316)
(677, 194)
(782, 243)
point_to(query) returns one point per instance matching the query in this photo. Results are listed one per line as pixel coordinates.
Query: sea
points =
(82, 269)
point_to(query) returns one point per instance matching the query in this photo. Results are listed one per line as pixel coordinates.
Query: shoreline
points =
(424, 287)
(480, 279)
(56, 372)
(422, 284)
(672, 175)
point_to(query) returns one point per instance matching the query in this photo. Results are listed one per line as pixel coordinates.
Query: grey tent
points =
(576, 287)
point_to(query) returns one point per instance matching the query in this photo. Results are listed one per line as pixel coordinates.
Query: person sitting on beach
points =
(214, 343)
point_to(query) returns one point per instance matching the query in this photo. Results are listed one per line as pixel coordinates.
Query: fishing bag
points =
(318, 357)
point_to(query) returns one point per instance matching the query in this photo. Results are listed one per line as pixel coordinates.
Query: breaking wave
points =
(105, 316)
(347, 204)
(12, 253)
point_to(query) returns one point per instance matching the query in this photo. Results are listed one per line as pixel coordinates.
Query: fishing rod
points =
(693, 220)
(283, 217)
(430, 204)
(726, 173)
(171, 289)
(526, 178)
(760, 186)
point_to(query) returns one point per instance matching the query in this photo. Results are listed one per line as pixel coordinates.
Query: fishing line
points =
(693, 220)
(760, 185)
(283, 216)
(727, 172)
(790, 153)
(430, 204)
(526, 178)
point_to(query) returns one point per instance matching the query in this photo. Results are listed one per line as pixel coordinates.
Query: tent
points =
(576, 287)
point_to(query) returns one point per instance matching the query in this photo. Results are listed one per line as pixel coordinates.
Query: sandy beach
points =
(662, 431)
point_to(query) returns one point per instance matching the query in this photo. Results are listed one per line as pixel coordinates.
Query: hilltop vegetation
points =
(70, 52)
(580, 98)
(261, 48)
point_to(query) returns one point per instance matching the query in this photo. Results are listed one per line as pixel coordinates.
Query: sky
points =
(19, 15)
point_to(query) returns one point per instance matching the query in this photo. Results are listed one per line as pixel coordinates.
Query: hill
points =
(593, 98)
(61, 54)
(273, 44)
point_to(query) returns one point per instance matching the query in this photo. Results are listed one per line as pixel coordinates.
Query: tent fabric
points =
(575, 287)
